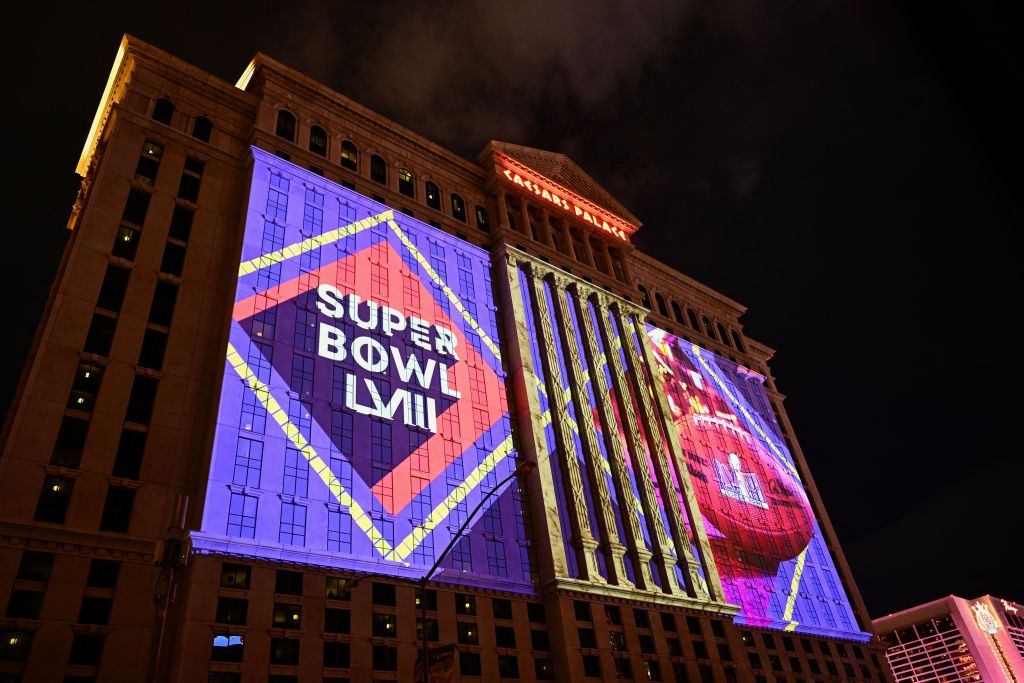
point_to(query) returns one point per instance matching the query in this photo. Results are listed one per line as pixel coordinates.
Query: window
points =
(482, 221)
(188, 186)
(617, 640)
(385, 658)
(128, 461)
(24, 604)
(101, 334)
(337, 655)
(67, 451)
(458, 208)
(202, 128)
(708, 328)
(668, 622)
(286, 125)
(163, 111)
(468, 633)
(539, 640)
(587, 637)
(535, 611)
(646, 644)
(464, 604)
(288, 583)
(505, 636)
(148, 164)
(242, 515)
(85, 386)
(14, 645)
(234, 576)
(700, 650)
(378, 170)
(433, 196)
(623, 669)
(737, 341)
(645, 297)
(117, 510)
(318, 141)
(692, 317)
(662, 308)
(582, 610)
(677, 313)
(112, 291)
(35, 566)
(337, 589)
(86, 649)
(508, 666)
(141, 400)
(653, 671)
(349, 155)
(591, 666)
(94, 610)
(154, 343)
(641, 619)
(103, 574)
(226, 648)
(284, 651)
(136, 207)
(406, 183)
(717, 628)
(287, 615)
(384, 594)
(430, 598)
(126, 243)
(502, 608)
(544, 669)
(612, 615)
(162, 309)
(173, 262)
(181, 223)
(469, 664)
(384, 625)
(337, 620)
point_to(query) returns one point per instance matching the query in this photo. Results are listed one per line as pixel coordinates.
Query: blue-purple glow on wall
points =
(363, 410)
(768, 546)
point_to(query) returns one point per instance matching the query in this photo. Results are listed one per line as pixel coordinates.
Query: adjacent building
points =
(295, 355)
(953, 639)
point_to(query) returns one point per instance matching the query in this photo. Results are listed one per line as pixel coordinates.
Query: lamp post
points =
(523, 468)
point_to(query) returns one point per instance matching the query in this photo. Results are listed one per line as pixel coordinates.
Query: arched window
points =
(709, 329)
(406, 184)
(163, 111)
(349, 155)
(738, 341)
(318, 141)
(286, 125)
(202, 128)
(678, 313)
(662, 308)
(646, 297)
(482, 221)
(433, 196)
(511, 220)
(692, 317)
(378, 170)
(722, 335)
(458, 207)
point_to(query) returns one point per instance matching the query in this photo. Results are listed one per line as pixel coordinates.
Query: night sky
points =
(850, 172)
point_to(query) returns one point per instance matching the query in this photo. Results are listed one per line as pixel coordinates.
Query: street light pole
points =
(523, 468)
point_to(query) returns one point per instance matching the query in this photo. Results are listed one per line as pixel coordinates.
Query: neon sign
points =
(983, 616)
(564, 199)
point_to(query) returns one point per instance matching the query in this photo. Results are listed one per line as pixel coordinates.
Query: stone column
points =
(593, 457)
(588, 253)
(579, 519)
(638, 453)
(549, 237)
(693, 513)
(524, 209)
(502, 210)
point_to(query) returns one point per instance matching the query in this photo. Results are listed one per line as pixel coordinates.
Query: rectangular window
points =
(385, 626)
(384, 594)
(508, 666)
(24, 604)
(54, 499)
(293, 524)
(85, 387)
(287, 615)
(136, 206)
(468, 633)
(173, 262)
(67, 451)
(232, 610)
(505, 636)
(296, 473)
(227, 648)
(130, 448)
(385, 658)
(284, 651)
(162, 309)
(103, 574)
(154, 344)
(126, 243)
(86, 649)
(305, 330)
(188, 187)
(35, 566)
(248, 462)
(112, 291)
(94, 610)
(337, 620)
(15, 645)
(181, 223)
(117, 510)
(469, 664)
(302, 375)
(234, 576)
(101, 334)
(141, 399)
(339, 531)
(496, 564)
(337, 655)
(242, 515)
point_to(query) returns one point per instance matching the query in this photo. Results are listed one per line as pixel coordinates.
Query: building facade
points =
(953, 639)
(206, 486)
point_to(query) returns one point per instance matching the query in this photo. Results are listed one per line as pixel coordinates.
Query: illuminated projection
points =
(363, 410)
(768, 547)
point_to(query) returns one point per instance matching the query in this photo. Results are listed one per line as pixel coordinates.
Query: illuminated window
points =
(163, 111)
(85, 386)
(234, 576)
(67, 451)
(287, 615)
(468, 633)
(130, 448)
(53, 499)
(242, 515)
(349, 156)
(149, 163)
(117, 510)
(465, 604)
(286, 125)
(653, 670)
(318, 141)
(433, 196)
(293, 524)
(378, 170)
(202, 128)
(385, 625)
(458, 208)
(141, 400)
(406, 183)
(227, 648)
